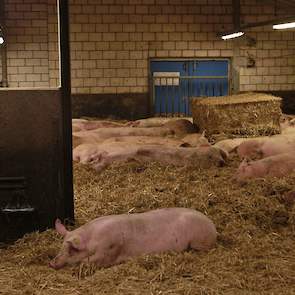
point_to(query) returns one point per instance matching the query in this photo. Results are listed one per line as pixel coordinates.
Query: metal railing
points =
(172, 94)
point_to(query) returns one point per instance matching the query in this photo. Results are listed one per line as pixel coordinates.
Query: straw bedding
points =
(255, 253)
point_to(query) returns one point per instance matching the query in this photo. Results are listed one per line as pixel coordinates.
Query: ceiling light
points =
(2, 40)
(227, 36)
(284, 26)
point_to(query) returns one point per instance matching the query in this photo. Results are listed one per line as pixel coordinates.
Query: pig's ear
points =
(60, 228)
(76, 243)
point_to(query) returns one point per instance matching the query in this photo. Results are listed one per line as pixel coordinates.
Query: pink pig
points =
(112, 239)
(250, 148)
(275, 166)
(263, 147)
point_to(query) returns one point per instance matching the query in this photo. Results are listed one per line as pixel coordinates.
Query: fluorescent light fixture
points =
(284, 26)
(2, 40)
(227, 36)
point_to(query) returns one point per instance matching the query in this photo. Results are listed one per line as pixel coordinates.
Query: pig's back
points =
(169, 229)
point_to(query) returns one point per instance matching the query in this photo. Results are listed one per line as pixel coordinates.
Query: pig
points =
(250, 148)
(102, 155)
(195, 140)
(104, 133)
(203, 156)
(145, 140)
(77, 124)
(78, 120)
(82, 137)
(153, 122)
(288, 126)
(230, 145)
(191, 140)
(87, 153)
(113, 239)
(275, 166)
(266, 146)
(82, 125)
(181, 127)
(178, 128)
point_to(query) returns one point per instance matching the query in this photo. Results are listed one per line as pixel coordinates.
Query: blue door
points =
(175, 83)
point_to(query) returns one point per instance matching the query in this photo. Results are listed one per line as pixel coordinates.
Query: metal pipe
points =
(269, 22)
(3, 47)
(65, 84)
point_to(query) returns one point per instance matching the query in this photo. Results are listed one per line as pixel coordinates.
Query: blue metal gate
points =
(176, 82)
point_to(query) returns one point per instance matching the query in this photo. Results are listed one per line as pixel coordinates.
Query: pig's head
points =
(73, 249)
(244, 171)
(195, 140)
(88, 153)
(132, 124)
(217, 156)
(249, 149)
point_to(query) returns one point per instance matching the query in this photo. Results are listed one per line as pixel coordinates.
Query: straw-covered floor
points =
(255, 253)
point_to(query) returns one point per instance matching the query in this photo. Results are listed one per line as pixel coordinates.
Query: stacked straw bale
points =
(248, 114)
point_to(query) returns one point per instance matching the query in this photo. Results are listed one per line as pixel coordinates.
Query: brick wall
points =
(53, 57)
(112, 41)
(27, 43)
(274, 52)
(111, 48)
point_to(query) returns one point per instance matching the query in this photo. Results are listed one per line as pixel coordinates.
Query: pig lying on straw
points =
(109, 240)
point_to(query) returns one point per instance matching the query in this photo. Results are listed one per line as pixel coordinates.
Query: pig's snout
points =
(55, 265)
(52, 265)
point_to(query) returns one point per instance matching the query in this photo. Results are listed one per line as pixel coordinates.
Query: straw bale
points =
(255, 252)
(248, 114)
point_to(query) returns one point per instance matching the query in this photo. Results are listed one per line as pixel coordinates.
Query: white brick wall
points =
(112, 41)
(27, 43)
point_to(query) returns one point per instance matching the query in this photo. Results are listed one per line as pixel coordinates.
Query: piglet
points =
(112, 239)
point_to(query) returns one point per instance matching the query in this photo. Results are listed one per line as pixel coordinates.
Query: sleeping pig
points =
(112, 239)
(275, 166)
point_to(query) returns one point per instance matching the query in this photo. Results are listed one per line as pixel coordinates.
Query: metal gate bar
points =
(178, 92)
